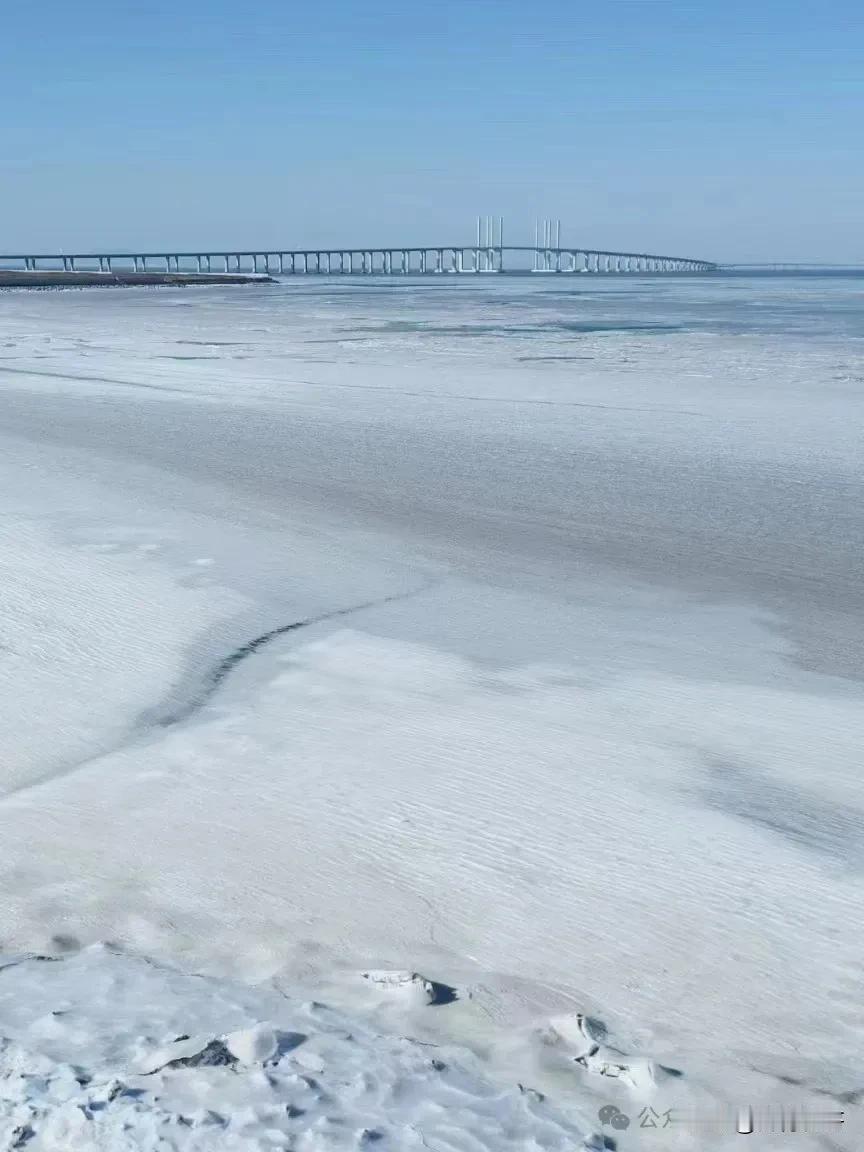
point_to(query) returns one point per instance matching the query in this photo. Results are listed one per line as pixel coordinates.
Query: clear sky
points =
(730, 129)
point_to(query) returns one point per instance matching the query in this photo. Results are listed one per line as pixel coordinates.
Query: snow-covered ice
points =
(483, 662)
(97, 1054)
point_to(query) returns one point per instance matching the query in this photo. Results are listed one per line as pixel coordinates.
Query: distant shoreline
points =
(15, 278)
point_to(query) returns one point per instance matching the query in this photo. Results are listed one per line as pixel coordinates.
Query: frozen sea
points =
(505, 631)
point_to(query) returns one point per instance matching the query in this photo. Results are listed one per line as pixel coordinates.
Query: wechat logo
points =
(614, 1117)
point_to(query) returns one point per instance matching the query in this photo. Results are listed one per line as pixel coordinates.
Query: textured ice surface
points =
(95, 1054)
(508, 635)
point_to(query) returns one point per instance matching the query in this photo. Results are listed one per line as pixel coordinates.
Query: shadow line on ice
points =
(209, 684)
(220, 671)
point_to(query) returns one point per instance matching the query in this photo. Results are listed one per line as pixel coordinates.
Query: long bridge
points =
(488, 255)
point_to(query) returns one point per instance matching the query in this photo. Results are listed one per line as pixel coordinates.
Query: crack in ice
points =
(212, 681)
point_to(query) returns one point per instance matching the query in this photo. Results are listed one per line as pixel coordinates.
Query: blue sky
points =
(714, 128)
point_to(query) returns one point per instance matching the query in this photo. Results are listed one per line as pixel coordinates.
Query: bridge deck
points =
(399, 259)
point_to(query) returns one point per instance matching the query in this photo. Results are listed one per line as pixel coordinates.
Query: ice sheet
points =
(489, 633)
